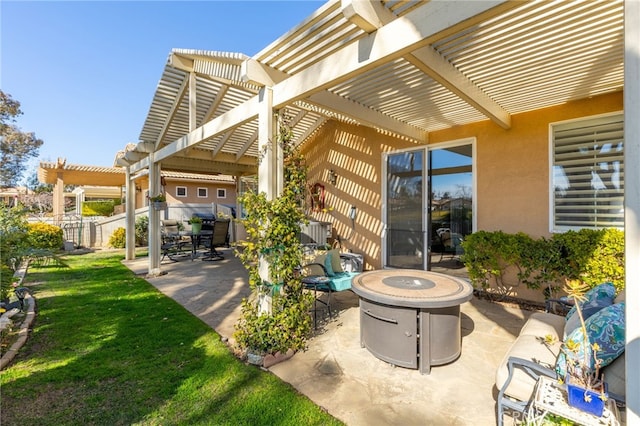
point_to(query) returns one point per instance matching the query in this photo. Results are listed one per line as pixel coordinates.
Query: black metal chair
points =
(219, 238)
(172, 242)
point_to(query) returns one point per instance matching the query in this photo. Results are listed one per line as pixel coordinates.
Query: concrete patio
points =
(344, 378)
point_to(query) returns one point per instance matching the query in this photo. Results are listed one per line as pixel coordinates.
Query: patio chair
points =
(327, 273)
(172, 242)
(451, 244)
(219, 238)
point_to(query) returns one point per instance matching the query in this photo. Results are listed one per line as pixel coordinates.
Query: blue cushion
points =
(606, 328)
(328, 265)
(342, 281)
(597, 298)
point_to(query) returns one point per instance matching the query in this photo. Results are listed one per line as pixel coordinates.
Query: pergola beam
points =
(354, 110)
(435, 66)
(372, 15)
(174, 109)
(215, 104)
(206, 166)
(366, 116)
(419, 28)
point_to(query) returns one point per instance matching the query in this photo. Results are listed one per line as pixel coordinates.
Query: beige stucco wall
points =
(192, 192)
(513, 165)
(355, 154)
(512, 173)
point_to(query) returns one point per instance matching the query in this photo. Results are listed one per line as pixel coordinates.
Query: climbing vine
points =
(273, 238)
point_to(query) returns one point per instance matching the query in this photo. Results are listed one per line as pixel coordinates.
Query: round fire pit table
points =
(411, 318)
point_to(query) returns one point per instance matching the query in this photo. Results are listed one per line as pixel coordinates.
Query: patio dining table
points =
(196, 238)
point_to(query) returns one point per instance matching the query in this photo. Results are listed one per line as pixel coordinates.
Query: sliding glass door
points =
(429, 205)
(450, 201)
(405, 224)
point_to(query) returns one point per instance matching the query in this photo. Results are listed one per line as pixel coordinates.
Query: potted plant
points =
(159, 202)
(579, 366)
(196, 224)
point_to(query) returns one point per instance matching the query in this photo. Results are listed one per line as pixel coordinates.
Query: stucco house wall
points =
(513, 165)
(512, 173)
(192, 192)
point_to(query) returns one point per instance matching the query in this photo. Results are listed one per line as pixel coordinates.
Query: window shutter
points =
(588, 173)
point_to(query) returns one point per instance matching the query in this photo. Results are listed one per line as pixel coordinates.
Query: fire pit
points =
(411, 318)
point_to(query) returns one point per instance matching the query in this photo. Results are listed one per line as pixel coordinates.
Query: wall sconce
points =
(353, 213)
(333, 177)
(138, 189)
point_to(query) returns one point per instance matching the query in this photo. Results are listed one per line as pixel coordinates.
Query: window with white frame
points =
(222, 193)
(181, 191)
(203, 192)
(587, 173)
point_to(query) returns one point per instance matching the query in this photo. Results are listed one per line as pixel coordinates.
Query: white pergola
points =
(404, 68)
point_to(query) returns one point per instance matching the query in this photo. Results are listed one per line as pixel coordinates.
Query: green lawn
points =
(108, 349)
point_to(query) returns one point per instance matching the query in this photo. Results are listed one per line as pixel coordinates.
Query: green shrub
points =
(118, 238)
(13, 245)
(42, 235)
(592, 256)
(142, 231)
(98, 208)
(6, 279)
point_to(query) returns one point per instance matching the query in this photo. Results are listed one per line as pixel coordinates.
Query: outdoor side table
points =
(551, 397)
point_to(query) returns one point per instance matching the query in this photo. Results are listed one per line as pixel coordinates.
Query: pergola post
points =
(80, 197)
(58, 197)
(154, 218)
(267, 167)
(130, 216)
(267, 171)
(632, 205)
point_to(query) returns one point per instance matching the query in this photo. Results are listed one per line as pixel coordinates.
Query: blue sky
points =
(85, 71)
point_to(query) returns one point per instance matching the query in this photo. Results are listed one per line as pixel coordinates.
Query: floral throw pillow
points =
(597, 298)
(606, 328)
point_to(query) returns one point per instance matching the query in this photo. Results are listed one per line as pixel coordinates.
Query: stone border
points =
(23, 333)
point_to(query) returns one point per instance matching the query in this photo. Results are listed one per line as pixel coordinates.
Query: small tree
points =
(273, 229)
(16, 146)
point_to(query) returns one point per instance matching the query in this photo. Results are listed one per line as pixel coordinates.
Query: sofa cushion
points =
(614, 375)
(543, 324)
(597, 298)
(606, 328)
(532, 348)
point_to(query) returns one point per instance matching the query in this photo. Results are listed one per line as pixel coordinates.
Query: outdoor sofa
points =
(530, 356)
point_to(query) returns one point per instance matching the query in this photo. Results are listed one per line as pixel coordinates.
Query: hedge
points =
(42, 235)
(592, 256)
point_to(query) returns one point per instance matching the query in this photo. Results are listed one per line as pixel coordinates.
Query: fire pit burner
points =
(411, 318)
(408, 283)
